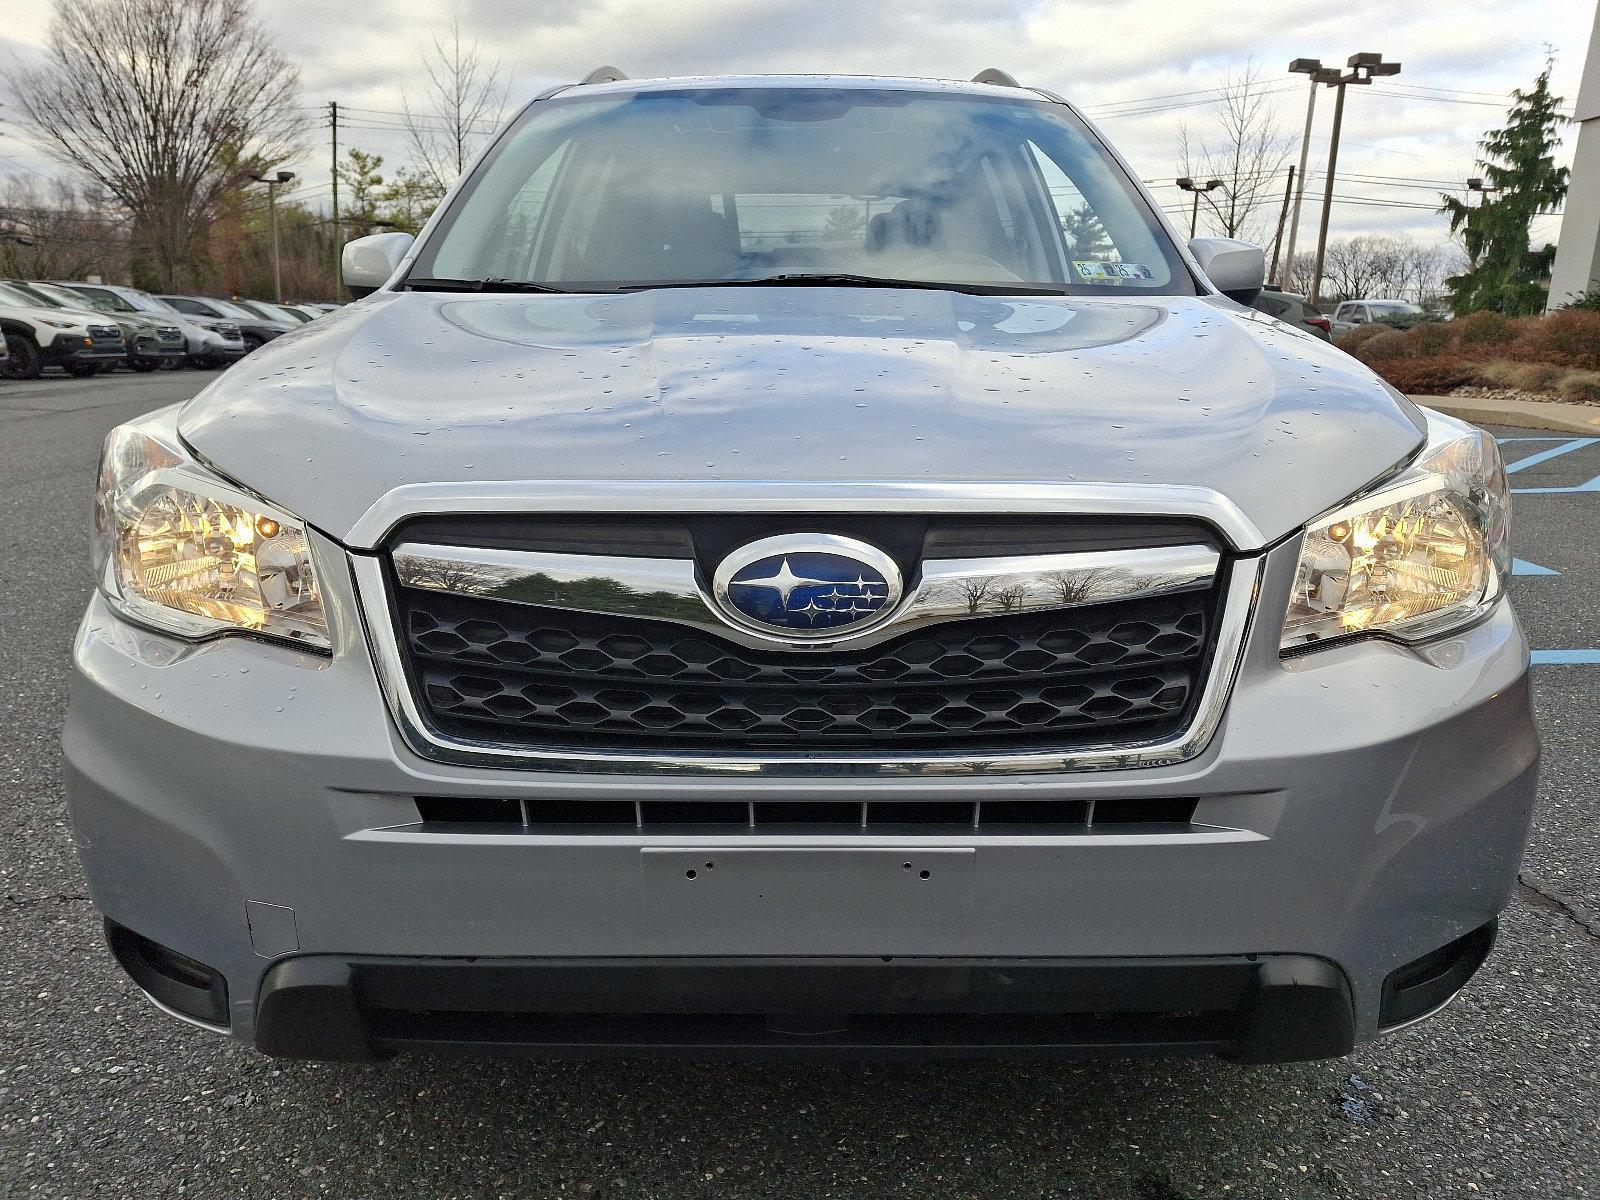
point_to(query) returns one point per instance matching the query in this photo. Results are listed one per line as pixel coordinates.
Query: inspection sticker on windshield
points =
(1112, 272)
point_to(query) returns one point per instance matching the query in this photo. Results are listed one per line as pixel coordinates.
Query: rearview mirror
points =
(1236, 269)
(370, 262)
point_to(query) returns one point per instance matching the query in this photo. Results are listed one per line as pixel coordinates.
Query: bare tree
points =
(1245, 148)
(58, 230)
(167, 105)
(974, 590)
(1075, 587)
(462, 103)
(1376, 267)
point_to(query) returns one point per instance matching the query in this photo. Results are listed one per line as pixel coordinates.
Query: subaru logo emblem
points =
(807, 587)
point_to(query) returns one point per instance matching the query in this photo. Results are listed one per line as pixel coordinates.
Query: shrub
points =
(1581, 387)
(1361, 334)
(1434, 376)
(1430, 338)
(1386, 344)
(1536, 377)
(1482, 331)
(1569, 338)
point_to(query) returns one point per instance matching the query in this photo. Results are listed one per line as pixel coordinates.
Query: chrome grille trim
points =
(668, 589)
(1237, 610)
(819, 496)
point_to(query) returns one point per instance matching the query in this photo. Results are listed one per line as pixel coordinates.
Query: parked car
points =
(45, 335)
(257, 330)
(1294, 310)
(664, 613)
(286, 314)
(1402, 314)
(152, 342)
(210, 341)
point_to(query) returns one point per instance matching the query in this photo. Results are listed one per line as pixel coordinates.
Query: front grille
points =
(169, 333)
(504, 815)
(105, 333)
(486, 669)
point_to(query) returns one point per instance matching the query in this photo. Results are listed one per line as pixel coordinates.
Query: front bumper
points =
(65, 351)
(252, 807)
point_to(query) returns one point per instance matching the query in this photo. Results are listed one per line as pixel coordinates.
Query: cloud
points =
(1400, 142)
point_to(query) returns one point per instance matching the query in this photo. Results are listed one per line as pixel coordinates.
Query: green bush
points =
(1483, 331)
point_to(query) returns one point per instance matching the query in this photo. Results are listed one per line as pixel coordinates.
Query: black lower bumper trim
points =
(1426, 983)
(1261, 1008)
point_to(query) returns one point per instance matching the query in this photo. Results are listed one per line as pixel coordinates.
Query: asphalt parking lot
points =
(101, 1096)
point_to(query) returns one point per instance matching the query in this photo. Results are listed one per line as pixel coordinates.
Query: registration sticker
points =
(1112, 272)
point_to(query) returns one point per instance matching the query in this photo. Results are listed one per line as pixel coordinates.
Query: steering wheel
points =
(941, 263)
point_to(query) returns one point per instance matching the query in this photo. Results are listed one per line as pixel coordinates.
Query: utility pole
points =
(1283, 215)
(272, 182)
(1312, 67)
(338, 244)
(1190, 185)
(1363, 68)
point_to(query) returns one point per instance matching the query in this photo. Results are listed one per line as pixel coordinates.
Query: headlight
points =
(1426, 553)
(55, 324)
(182, 551)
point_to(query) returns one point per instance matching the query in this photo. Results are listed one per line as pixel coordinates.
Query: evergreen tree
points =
(1087, 240)
(1519, 167)
(365, 189)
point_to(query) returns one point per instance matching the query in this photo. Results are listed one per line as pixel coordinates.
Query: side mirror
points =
(1236, 269)
(369, 262)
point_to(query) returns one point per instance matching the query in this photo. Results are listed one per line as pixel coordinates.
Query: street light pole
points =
(1483, 189)
(1363, 68)
(1190, 185)
(1311, 67)
(272, 182)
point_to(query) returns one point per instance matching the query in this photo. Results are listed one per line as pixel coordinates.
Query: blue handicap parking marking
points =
(1521, 566)
(1566, 658)
(1561, 446)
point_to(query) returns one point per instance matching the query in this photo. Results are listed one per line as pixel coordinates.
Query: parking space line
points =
(1567, 446)
(1566, 658)
(1521, 566)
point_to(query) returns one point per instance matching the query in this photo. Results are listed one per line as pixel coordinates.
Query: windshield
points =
(37, 296)
(685, 186)
(1391, 308)
(104, 300)
(12, 298)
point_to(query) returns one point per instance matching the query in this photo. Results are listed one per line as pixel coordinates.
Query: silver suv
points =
(809, 565)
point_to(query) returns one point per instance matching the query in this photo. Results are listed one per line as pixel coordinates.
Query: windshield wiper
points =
(492, 284)
(798, 279)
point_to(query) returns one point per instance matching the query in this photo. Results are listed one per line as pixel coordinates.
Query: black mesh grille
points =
(521, 674)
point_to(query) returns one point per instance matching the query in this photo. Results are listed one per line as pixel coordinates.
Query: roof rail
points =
(602, 75)
(995, 76)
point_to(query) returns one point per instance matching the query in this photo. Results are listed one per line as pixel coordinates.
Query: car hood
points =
(800, 384)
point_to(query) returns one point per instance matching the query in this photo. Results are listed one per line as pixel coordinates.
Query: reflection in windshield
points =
(722, 185)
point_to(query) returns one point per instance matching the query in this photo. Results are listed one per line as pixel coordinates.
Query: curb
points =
(1521, 414)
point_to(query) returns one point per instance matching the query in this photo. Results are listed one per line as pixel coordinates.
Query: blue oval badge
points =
(807, 586)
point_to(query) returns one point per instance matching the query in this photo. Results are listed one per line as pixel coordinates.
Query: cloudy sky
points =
(1142, 68)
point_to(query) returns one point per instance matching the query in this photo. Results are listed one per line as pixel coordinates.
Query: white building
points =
(1577, 268)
